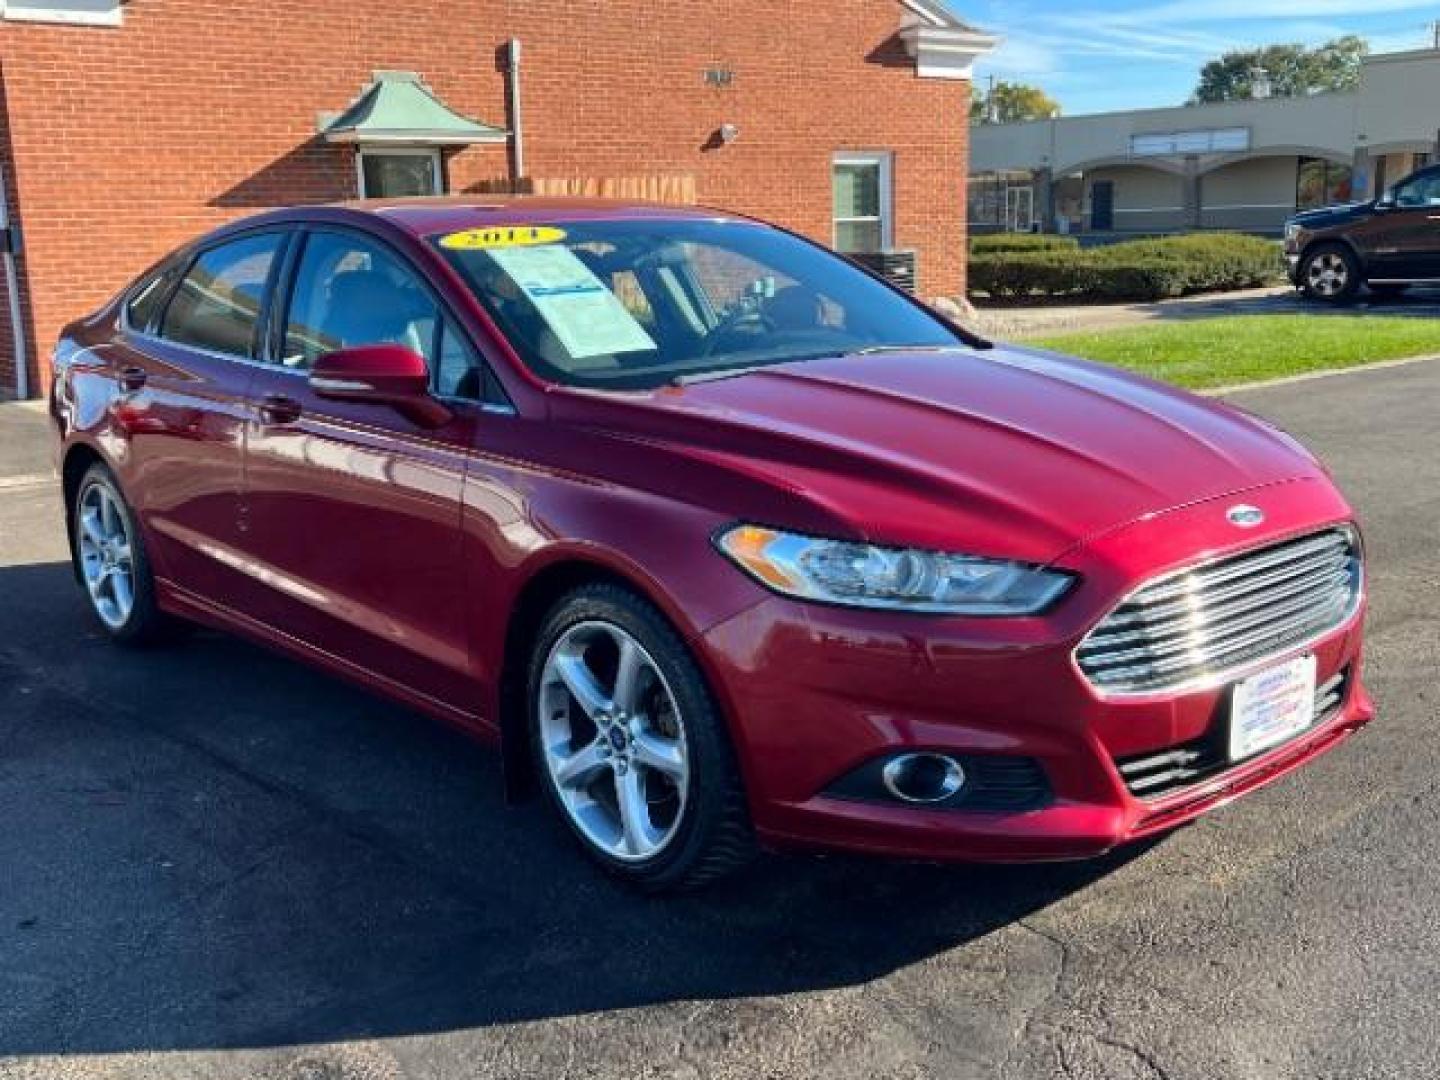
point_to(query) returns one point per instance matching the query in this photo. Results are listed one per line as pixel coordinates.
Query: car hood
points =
(1008, 452)
(1329, 216)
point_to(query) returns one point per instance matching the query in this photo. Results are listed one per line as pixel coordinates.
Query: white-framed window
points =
(1207, 141)
(394, 173)
(78, 12)
(863, 212)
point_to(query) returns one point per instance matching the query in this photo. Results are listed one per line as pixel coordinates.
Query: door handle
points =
(279, 409)
(132, 378)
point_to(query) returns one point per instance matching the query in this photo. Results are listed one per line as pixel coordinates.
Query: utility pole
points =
(992, 107)
(1435, 30)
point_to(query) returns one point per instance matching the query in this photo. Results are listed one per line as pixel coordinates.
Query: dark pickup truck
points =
(1388, 244)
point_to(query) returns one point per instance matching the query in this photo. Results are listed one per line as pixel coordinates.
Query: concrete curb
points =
(1311, 376)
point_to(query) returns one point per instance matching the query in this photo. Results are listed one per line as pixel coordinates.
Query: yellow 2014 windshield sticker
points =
(506, 236)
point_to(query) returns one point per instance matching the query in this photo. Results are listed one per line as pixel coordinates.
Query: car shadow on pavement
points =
(208, 846)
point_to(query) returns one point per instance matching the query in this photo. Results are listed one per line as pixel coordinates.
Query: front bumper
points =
(816, 692)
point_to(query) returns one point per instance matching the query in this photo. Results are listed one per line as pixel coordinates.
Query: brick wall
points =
(128, 141)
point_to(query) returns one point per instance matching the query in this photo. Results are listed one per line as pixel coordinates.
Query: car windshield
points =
(638, 304)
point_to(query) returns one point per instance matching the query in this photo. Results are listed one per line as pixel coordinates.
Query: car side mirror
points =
(380, 375)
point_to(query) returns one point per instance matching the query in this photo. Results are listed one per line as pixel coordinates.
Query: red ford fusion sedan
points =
(728, 543)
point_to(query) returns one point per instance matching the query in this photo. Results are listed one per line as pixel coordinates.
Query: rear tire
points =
(107, 549)
(1331, 274)
(630, 746)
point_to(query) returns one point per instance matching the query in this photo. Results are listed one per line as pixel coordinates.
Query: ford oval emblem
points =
(1245, 517)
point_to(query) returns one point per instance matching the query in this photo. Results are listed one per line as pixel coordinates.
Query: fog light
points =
(923, 777)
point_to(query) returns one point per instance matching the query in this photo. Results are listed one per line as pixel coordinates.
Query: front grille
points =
(1150, 776)
(1200, 623)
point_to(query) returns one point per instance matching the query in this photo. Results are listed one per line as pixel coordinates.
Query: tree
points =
(1291, 70)
(1009, 103)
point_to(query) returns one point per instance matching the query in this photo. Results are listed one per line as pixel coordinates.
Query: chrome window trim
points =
(213, 354)
(1236, 672)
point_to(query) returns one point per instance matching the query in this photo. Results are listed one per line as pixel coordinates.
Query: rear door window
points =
(147, 299)
(217, 305)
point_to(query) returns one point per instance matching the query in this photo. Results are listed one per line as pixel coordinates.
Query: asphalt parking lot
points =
(219, 864)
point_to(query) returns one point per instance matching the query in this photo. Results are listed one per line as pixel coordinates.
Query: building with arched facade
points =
(1242, 165)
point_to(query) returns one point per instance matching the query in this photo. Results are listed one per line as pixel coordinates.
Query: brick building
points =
(129, 126)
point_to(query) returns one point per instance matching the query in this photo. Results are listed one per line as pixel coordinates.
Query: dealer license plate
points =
(1271, 706)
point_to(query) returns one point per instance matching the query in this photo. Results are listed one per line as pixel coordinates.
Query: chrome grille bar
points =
(1154, 775)
(1199, 623)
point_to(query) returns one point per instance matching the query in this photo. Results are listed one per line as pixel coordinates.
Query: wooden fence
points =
(676, 189)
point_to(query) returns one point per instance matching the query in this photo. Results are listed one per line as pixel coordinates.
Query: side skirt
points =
(177, 601)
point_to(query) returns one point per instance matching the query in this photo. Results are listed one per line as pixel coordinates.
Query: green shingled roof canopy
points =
(398, 108)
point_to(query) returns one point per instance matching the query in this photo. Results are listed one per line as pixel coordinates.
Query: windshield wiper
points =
(873, 350)
(748, 369)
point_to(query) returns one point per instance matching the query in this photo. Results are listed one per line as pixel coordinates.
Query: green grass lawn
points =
(1201, 353)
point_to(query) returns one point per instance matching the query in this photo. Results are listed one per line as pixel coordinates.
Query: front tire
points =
(1331, 274)
(111, 563)
(630, 745)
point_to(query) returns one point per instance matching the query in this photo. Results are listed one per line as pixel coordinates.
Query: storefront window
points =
(1322, 183)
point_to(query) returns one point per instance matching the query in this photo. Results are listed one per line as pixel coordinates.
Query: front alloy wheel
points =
(1330, 274)
(614, 741)
(630, 744)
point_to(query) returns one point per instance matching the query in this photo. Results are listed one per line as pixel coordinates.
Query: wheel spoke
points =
(107, 514)
(90, 526)
(97, 581)
(637, 834)
(627, 675)
(582, 684)
(581, 767)
(663, 755)
(120, 590)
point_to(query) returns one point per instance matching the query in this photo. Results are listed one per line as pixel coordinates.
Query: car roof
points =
(444, 214)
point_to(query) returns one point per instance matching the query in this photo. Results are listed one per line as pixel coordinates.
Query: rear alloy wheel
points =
(111, 562)
(1330, 273)
(630, 746)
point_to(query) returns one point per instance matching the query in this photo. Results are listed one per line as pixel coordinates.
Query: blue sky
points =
(1098, 55)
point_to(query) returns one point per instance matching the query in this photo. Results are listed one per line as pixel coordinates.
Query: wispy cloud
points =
(1024, 57)
(1127, 53)
(1183, 11)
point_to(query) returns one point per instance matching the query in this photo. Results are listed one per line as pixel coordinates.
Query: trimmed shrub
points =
(1133, 270)
(1022, 242)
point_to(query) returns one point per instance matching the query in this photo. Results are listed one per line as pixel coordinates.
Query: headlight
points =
(903, 579)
